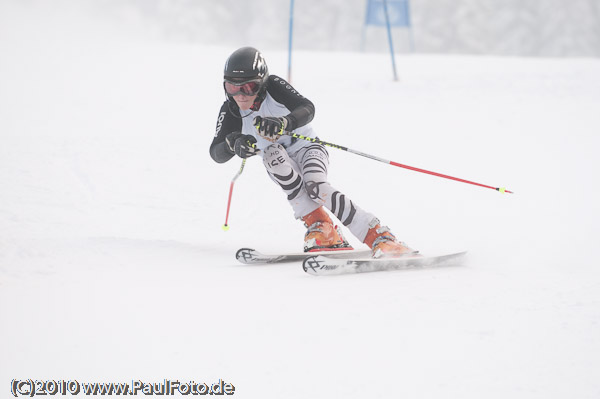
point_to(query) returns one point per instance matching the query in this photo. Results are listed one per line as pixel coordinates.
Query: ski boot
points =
(322, 235)
(383, 244)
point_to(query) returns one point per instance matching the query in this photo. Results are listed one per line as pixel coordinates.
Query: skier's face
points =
(243, 101)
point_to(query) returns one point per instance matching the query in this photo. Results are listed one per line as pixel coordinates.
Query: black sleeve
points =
(227, 123)
(302, 110)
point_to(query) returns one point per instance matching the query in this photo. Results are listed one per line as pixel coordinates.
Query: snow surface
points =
(113, 264)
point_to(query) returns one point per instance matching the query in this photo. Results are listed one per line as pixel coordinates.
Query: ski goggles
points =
(246, 88)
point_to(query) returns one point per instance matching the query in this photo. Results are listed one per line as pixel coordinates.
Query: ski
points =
(252, 256)
(325, 265)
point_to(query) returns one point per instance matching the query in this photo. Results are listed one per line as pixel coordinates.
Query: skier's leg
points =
(314, 162)
(284, 171)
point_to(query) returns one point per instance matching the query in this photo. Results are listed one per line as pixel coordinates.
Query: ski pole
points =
(239, 172)
(339, 147)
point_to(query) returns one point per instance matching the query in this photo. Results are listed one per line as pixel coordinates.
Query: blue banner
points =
(398, 13)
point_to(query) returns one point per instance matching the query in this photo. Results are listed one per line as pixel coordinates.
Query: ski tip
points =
(308, 264)
(320, 264)
(245, 255)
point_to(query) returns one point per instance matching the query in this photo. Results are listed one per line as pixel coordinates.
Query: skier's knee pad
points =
(315, 190)
(276, 158)
(314, 169)
(283, 171)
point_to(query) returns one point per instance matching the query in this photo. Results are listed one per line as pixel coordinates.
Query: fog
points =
(114, 266)
(547, 28)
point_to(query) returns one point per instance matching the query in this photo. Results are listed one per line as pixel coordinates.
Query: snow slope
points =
(113, 265)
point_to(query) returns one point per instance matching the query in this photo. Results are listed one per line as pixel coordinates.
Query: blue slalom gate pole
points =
(411, 38)
(389, 30)
(289, 77)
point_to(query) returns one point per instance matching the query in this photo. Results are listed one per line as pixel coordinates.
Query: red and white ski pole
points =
(340, 147)
(239, 172)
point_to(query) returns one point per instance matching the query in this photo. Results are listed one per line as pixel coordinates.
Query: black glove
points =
(270, 127)
(230, 141)
(244, 146)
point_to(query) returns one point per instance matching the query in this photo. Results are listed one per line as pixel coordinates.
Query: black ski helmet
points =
(245, 64)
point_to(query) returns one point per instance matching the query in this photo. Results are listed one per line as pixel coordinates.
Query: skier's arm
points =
(302, 110)
(226, 123)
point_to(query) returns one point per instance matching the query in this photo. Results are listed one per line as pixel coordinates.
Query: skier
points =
(258, 108)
